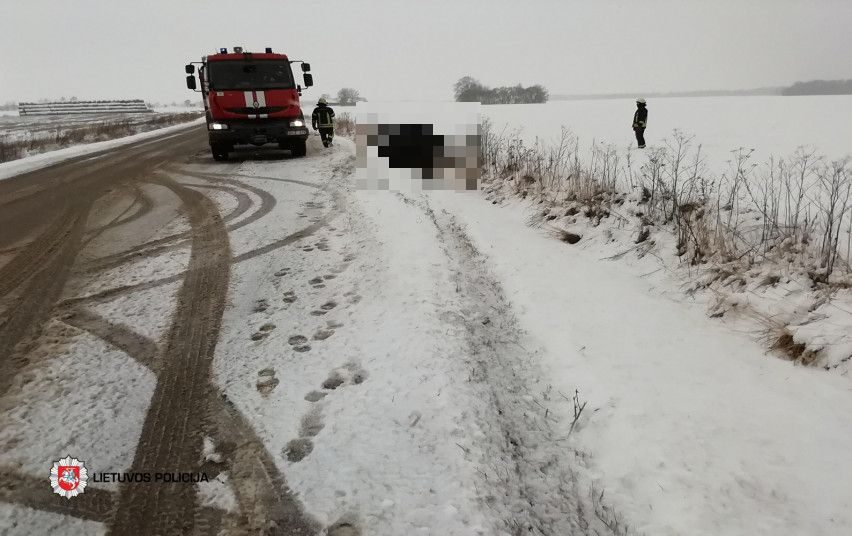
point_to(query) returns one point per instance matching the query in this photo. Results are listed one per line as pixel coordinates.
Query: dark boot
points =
(640, 137)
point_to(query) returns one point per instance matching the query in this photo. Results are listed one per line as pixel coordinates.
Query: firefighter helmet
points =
(322, 101)
(640, 100)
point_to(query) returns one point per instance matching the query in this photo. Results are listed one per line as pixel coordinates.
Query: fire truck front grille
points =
(253, 111)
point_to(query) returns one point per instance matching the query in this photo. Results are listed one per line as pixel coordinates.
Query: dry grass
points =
(565, 236)
(785, 344)
(791, 211)
(13, 149)
(344, 125)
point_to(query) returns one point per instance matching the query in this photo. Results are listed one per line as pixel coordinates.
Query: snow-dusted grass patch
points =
(27, 136)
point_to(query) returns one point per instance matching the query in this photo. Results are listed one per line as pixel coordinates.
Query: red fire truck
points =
(251, 98)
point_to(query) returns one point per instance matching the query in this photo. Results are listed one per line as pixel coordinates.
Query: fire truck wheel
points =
(220, 152)
(299, 148)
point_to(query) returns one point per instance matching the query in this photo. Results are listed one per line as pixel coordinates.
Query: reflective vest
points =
(640, 118)
(323, 117)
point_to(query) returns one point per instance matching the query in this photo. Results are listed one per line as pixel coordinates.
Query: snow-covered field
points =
(15, 127)
(770, 125)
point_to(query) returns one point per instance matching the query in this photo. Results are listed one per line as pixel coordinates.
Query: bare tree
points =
(348, 96)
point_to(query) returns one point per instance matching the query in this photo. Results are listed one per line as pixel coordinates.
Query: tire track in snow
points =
(172, 434)
(527, 466)
(34, 305)
(33, 255)
(305, 232)
(171, 438)
(95, 504)
(267, 505)
(179, 240)
(143, 204)
(263, 497)
(141, 348)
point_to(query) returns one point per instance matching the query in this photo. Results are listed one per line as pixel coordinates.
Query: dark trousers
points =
(640, 136)
(326, 133)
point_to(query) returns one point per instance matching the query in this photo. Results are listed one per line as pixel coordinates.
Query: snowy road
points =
(343, 362)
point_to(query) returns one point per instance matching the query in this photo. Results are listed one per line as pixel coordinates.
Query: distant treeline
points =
(468, 89)
(812, 87)
(820, 87)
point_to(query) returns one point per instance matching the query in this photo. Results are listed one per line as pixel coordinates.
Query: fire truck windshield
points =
(263, 74)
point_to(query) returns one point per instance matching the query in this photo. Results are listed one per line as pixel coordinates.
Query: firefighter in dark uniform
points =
(640, 121)
(323, 119)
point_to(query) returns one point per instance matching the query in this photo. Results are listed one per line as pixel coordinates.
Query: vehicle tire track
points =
(143, 204)
(305, 232)
(36, 302)
(264, 501)
(31, 492)
(171, 439)
(267, 505)
(179, 240)
(33, 255)
(540, 493)
(141, 348)
(95, 504)
(267, 200)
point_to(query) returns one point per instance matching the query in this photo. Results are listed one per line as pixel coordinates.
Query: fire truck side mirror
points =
(190, 69)
(306, 67)
(190, 82)
(309, 79)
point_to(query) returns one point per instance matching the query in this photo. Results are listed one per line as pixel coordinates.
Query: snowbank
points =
(691, 428)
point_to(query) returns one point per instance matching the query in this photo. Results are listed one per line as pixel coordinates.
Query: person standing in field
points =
(640, 121)
(323, 118)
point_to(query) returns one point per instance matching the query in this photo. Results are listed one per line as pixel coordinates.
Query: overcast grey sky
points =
(417, 50)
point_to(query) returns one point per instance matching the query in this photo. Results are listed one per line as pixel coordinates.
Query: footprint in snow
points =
(297, 449)
(299, 343)
(260, 306)
(344, 527)
(266, 381)
(312, 423)
(323, 334)
(349, 374)
(263, 332)
(315, 396)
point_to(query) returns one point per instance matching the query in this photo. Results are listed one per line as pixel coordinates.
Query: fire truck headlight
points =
(297, 123)
(217, 126)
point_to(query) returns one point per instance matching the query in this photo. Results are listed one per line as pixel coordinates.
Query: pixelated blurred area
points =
(418, 146)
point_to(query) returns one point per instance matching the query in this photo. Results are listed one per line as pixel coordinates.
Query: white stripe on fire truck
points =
(249, 97)
(261, 101)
